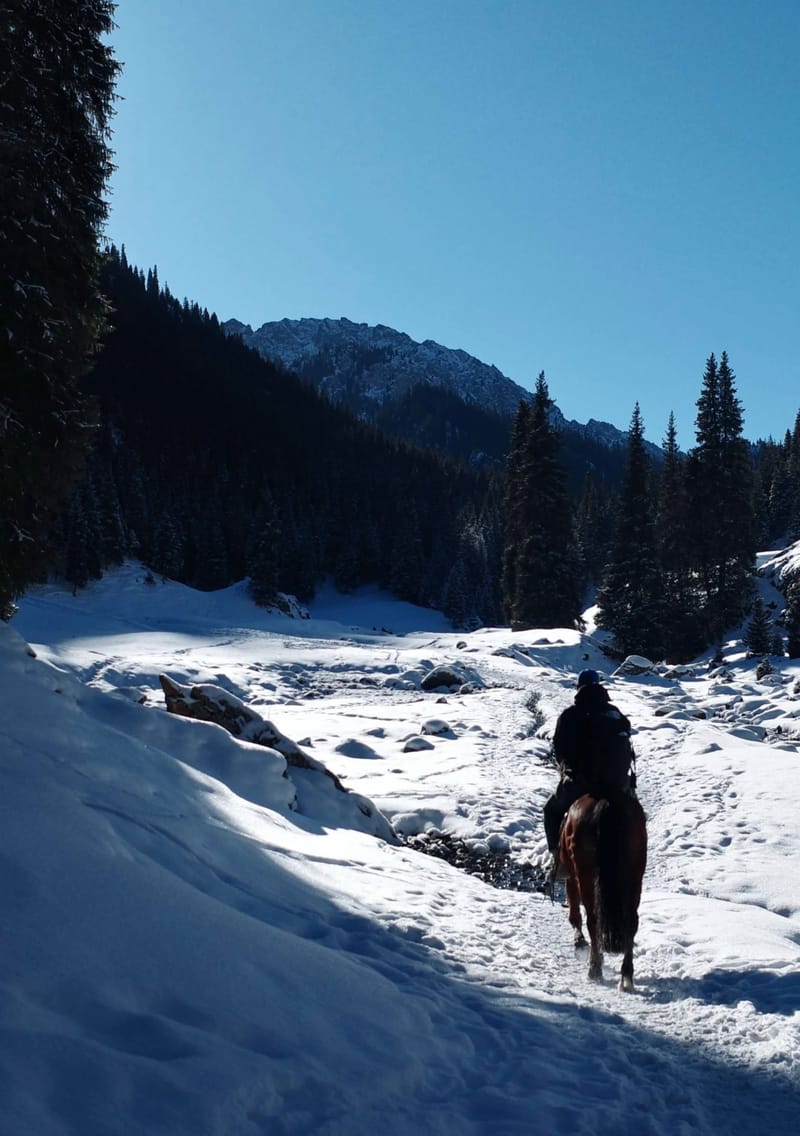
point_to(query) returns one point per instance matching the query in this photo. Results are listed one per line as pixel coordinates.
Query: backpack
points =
(609, 749)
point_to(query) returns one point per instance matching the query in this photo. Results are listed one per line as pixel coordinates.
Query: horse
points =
(603, 847)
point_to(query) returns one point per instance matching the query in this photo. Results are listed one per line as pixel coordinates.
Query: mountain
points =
(370, 369)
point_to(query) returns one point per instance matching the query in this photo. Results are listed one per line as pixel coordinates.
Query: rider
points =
(572, 748)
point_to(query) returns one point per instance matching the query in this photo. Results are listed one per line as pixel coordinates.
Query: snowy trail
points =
(521, 943)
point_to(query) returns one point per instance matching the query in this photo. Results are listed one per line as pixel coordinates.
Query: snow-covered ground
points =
(184, 952)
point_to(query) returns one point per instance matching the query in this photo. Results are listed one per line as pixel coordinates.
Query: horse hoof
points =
(579, 941)
(626, 984)
(595, 974)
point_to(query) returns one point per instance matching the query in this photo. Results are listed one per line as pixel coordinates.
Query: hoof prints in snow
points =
(495, 867)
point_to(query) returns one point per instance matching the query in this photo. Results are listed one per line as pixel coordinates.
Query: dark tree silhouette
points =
(542, 563)
(56, 96)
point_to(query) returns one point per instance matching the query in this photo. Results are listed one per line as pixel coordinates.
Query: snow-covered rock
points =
(444, 678)
(636, 665)
(416, 744)
(435, 726)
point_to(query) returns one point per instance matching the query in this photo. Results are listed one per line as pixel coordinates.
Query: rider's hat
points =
(587, 678)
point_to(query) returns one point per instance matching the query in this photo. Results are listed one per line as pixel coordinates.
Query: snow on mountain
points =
(378, 362)
(354, 363)
(183, 956)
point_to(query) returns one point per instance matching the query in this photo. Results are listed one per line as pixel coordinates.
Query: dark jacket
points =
(571, 740)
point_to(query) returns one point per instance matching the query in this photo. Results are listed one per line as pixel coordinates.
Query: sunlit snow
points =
(184, 952)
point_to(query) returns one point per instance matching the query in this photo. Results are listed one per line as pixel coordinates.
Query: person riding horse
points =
(584, 736)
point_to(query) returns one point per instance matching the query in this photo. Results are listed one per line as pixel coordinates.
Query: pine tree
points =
(595, 524)
(263, 557)
(542, 564)
(791, 619)
(515, 503)
(83, 560)
(758, 633)
(57, 95)
(630, 600)
(720, 485)
(467, 595)
(794, 482)
(674, 553)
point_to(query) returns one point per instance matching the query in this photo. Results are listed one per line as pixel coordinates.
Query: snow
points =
(182, 951)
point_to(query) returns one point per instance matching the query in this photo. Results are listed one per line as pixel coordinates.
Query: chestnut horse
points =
(603, 847)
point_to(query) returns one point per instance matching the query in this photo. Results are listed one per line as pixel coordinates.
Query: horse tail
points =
(616, 902)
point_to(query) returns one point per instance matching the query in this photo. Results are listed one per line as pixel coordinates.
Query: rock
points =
(750, 733)
(635, 665)
(772, 679)
(352, 747)
(291, 606)
(416, 743)
(443, 677)
(207, 703)
(435, 726)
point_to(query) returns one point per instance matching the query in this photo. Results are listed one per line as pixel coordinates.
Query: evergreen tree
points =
(515, 503)
(263, 558)
(720, 485)
(595, 525)
(793, 523)
(791, 616)
(407, 556)
(674, 553)
(167, 552)
(57, 94)
(630, 600)
(772, 504)
(542, 564)
(467, 595)
(758, 633)
(83, 560)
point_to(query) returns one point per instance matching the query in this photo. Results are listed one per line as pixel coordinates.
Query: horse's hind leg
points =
(592, 925)
(574, 901)
(626, 979)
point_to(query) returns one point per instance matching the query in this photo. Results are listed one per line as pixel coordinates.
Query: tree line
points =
(673, 552)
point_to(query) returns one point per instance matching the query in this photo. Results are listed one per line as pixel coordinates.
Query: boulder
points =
(416, 743)
(207, 703)
(443, 677)
(435, 726)
(635, 665)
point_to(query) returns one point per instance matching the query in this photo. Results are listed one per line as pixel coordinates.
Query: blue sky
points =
(607, 193)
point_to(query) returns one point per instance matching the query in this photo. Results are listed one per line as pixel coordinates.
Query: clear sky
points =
(606, 192)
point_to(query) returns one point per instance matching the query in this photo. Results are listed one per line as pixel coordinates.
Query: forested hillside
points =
(212, 464)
